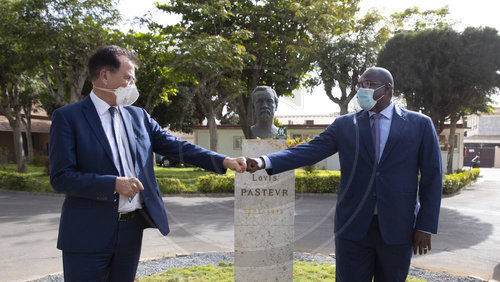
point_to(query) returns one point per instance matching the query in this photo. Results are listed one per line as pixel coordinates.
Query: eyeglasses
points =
(367, 84)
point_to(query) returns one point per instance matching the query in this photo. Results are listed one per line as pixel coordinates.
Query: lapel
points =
(127, 121)
(94, 121)
(365, 134)
(397, 128)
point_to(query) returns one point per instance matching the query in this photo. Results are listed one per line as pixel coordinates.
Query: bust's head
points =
(265, 102)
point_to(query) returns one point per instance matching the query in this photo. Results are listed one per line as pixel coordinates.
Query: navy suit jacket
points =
(404, 200)
(81, 166)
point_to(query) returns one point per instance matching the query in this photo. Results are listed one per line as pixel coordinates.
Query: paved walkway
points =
(468, 242)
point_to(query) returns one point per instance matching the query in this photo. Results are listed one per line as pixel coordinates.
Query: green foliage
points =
(170, 185)
(23, 182)
(319, 181)
(453, 183)
(302, 271)
(412, 19)
(342, 59)
(276, 35)
(443, 73)
(215, 183)
(55, 38)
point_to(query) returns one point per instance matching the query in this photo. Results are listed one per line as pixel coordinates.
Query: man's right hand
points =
(128, 186)
(253, 165)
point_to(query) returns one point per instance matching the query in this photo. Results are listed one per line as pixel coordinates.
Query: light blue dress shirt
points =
(385, 125)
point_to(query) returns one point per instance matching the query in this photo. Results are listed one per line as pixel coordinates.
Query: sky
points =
(464, 12)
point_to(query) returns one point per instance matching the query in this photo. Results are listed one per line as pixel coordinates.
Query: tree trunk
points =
(212, 128)
(18, 144)
(11, 108)
(27, 125)
(451, 144)
(241, 109)
(29, 138)
(343, 108)
(76, 84)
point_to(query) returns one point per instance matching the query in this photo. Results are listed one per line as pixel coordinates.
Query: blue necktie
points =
(376, 134)
(124, 167)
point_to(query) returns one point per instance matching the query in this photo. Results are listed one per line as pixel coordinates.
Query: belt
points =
(126, 216)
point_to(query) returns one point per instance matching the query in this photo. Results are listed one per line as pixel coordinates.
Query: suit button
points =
(115, 206)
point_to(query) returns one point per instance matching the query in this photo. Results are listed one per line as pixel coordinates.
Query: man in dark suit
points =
(101, 157)
(384, 210)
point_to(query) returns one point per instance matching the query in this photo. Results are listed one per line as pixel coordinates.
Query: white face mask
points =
(125, 96)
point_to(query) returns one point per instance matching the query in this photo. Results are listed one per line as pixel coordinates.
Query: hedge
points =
(319, 181)
(316, 182)
(169, 185)
(23, 182)
(215, 183)
(324, 181)
(452, 183)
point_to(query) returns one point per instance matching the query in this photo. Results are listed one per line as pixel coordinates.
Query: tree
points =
(215, 63)
(16, 85)
(280, 42)
(443, 73)
(341, 59)
(156, 80)
(61, 34)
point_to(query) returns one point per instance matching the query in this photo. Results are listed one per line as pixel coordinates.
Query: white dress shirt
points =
(103, 110)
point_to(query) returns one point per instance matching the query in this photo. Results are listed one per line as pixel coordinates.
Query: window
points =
(237, 142)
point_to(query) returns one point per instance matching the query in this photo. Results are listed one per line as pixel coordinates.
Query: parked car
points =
(163, 161)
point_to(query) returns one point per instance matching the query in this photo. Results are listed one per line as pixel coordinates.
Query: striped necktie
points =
(124, 166)
(376, 134)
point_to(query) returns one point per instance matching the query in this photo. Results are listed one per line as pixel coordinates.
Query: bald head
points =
(381, 81)
(377, 74)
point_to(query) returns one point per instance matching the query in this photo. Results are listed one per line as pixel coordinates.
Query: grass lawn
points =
(302, 271)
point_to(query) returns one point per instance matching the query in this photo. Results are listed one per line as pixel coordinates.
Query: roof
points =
(486, 139)
(38, 125)
(288, 126)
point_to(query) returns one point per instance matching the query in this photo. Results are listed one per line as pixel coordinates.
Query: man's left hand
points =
(236, 164)
(421, 242)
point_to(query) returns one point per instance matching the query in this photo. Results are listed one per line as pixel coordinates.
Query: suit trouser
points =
(117, 262)
(371, 258)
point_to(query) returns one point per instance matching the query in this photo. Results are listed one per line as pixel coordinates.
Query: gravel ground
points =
(151, 267)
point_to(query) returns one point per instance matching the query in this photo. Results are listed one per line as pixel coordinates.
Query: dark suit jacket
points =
(81, 166)
(393, 184)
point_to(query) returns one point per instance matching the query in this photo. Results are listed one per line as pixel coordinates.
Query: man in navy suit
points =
(391, 182)
(101, 158)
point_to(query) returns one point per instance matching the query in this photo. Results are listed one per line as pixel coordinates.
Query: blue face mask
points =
(365, 98)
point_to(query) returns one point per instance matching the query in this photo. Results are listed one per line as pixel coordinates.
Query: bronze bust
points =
(265, 102)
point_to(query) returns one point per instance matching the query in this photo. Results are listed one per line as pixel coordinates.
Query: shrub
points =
(316, 182)
(169, 185)
(214, 183)
(324, 181)
(453, 183)
(23, 182)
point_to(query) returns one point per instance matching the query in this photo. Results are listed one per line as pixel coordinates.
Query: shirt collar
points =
(101, 106)
(388, 111)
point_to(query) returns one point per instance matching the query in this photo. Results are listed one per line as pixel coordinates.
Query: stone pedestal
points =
(264, 207)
